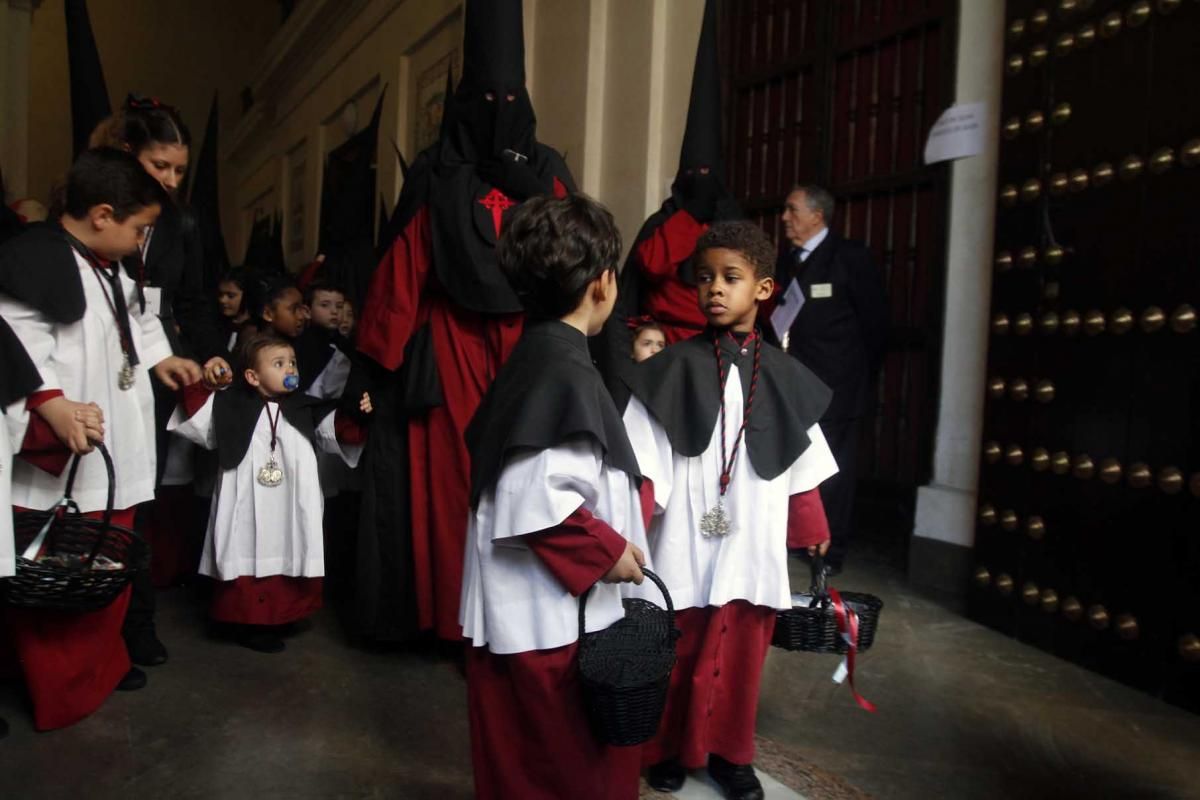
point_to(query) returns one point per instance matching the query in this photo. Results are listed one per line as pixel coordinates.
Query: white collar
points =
(813, 242)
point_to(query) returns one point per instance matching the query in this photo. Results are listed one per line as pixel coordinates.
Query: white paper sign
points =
(153, 295)
(958, 133)
(786, 310)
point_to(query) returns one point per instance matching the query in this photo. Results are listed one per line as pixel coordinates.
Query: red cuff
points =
(347, 430)
(807, 525)
(38, 398)
(194, 397)
(41, 446)
(579, 550)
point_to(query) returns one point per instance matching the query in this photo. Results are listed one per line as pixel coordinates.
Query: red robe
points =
(469, 349)
(529, 733)
(664, 296)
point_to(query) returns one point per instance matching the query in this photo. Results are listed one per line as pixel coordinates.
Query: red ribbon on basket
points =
(847, 625)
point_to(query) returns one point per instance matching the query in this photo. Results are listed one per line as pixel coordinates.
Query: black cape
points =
(547, 393)
(315, 347)
(236, 412)
(38, 268)
(679, 387)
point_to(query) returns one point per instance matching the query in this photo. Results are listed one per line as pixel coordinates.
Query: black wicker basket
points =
(67, 562)
(626, 669)
(811, 625)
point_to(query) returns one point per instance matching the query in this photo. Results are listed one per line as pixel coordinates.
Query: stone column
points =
(16, 19)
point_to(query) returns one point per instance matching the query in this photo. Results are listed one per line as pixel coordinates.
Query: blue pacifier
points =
(291, 382)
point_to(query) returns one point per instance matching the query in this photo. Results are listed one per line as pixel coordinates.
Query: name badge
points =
(818, 290)
(153, 295)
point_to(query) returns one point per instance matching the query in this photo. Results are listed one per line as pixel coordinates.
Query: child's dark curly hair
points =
(744, 237)
(553, 248)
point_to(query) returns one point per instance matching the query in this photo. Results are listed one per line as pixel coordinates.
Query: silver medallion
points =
(715, 522)
(126, 376)
(270, 474)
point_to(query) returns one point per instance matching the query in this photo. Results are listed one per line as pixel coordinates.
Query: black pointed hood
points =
(205, 201)
(493, 45)
(702, 135)
(89, 93)
(264, 251)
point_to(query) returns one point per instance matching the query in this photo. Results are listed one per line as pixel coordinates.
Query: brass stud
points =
(1004, 584)
(1067, 7)
(1039, 459)
(1060, 463)
(1004, 261)
(1039, 19)
(1079, 180)
(1027, 257)
(1183, 319)
(1008, 519)
(1102, 174)
(1064, 44)
(1131, 167)
(1093, 322)
(1189, 647)
(1085, 36)
(996, 387)
(1168, 6)
(1049, 601)
(1044, 391)
(1170, 480)
(1083, 468)
(992, 452)
(1012, 128)
(1152, 319)
(1059, 183)
(1035, 528)
(1072, 609)
(1060, 114)
(1037, 55)
(1110, 471)
(1189, 154)
(1031, 190)
(1127, 627)
(1034, 121)
(1018, 389)
(1049, 323)
(1070, 322)
(1009, 195)
(1014, 455)
(1110, 26)
(1139, 475)
(1162, 160)
(1015, 63)
(987, 514)
(1121, 321)
(982, 577)
(1098, 617)
(1194, 484)
(1000, 324)
(1023, 324)
(1031, 594)
(1053, 255)
(1138, 13)
(1016, 29)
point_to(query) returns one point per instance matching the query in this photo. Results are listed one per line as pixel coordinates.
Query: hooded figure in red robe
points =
(439, 319)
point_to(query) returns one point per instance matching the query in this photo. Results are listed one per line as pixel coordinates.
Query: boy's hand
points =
(364, 405)
(628, 567)
(77, 425)
(174, 372)
(819, 549)
(217, 373)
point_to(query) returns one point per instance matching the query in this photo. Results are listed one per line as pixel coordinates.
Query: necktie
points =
(800, 254)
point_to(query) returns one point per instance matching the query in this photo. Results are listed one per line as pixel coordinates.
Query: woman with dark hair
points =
(169, 269)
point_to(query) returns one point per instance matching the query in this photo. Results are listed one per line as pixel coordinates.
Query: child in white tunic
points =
(725, 427)
(264, 541)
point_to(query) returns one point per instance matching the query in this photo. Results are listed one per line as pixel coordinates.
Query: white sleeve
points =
(36, 333)
(198, 428)
(327, 441)
(656, 458)
(814, 465)
(538, 489)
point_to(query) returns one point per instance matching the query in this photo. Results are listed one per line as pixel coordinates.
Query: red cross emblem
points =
(497, 202)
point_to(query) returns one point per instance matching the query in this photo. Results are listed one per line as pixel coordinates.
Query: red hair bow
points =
(638, 322)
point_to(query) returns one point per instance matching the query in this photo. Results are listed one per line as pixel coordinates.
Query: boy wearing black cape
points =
(555, 508)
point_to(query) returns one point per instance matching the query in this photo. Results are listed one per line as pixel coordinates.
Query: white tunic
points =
(83, 360)
(511, 602)
(750, 563)
(265, 530)
(8, 563)
(329, 385)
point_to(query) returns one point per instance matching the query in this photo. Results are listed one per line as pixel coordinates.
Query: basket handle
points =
(108, 505)
(662, 587)
(818, 589)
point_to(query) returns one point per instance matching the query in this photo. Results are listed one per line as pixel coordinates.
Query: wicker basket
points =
(811, 625)
(626, 669)
(68, 562)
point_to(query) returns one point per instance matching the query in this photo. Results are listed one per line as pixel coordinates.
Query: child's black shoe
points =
(666, 776)
(260, 640)
(737, 781)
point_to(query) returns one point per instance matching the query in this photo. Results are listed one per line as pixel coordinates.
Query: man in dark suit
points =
(839, 333)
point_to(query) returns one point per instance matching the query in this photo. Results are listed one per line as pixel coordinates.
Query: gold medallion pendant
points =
(270, 474)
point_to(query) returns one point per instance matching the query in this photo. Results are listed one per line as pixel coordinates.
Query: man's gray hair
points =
(817, 199)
